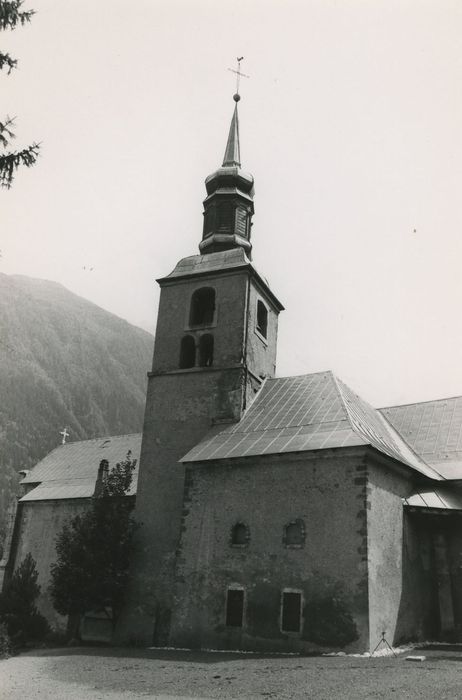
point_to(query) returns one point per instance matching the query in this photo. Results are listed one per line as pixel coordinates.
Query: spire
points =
(228, 207)
(233, 152)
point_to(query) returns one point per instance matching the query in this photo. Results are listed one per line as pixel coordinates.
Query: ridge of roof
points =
(420, 403)
(380, 433)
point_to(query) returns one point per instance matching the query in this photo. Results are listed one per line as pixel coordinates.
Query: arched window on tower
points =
(202, 307)
(187, 352)
(262, 318)
(206, 350)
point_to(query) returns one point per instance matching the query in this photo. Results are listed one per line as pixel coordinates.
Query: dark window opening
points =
(187, 352)
(262, 318)
(202, 307)
(206, 350)
(294, 534)
(209, 221)
(291, 611)
(225, 218)
(240, 535)
(234, 607)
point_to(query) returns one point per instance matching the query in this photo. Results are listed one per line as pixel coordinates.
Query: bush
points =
(329, 623)
(5, 642)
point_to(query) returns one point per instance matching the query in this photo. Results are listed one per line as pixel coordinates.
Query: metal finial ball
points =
(236, 97)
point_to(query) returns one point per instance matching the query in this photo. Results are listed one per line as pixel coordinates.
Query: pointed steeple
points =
(233, 152)
(228, 208)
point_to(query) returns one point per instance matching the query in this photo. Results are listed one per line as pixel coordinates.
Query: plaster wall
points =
(453, 531)
(227, 326)
(261, 352)
(325, 490)
(38, 525)
(388, 560)
(180, 409)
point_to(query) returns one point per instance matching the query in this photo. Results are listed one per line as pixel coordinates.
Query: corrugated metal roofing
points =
(439, 498)
(309, 412)
(70, 470)
(434, 430)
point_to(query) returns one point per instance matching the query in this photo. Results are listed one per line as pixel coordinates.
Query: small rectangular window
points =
(291, 611)
(234, 607)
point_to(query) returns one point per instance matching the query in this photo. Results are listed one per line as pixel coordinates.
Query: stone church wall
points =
(324, 491)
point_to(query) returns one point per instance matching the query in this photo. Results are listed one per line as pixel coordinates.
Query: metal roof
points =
(233, 153)
(70, 470)
(212, 262)
(234, 259)
(309, 412)
(434, 430)
(442, 499)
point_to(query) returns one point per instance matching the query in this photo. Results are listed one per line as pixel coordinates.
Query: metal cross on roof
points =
(65, 434)
(238, 74)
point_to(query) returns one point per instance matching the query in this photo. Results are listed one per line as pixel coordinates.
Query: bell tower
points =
(215, 343)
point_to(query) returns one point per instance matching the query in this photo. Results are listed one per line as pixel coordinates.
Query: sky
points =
(350, 122)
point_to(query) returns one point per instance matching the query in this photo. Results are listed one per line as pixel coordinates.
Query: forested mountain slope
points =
(64, 362)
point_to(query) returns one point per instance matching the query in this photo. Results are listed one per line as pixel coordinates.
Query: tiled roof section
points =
(213, 262)
(443, 499)
(434, 430)
(70, 470)
(298, 414)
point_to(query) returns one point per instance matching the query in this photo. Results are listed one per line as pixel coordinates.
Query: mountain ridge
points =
(64, 361)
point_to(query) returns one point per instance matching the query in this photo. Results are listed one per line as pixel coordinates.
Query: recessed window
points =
(187, 352)
(262, 318)
(240, 535)
(291, 611)
(225, 218)
(235, 607)
(294, 534)
(202, 307)
(206, 350)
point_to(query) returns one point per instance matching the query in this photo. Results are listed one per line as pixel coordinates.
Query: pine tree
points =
(11, 15)
(91, 571)
(18, 604)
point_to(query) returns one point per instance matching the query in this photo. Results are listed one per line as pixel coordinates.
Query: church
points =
(278, 513)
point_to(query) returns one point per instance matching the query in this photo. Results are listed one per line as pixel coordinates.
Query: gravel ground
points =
(113, 674)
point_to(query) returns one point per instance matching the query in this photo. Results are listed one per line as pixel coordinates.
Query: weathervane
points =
(65, 434)
(238, 73)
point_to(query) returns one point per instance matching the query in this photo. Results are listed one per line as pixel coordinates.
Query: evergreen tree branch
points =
(10, 162)
(5, 131)
(8, 61)
(11, 14)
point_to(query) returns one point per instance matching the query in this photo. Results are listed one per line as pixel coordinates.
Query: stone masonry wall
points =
(323, 490)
